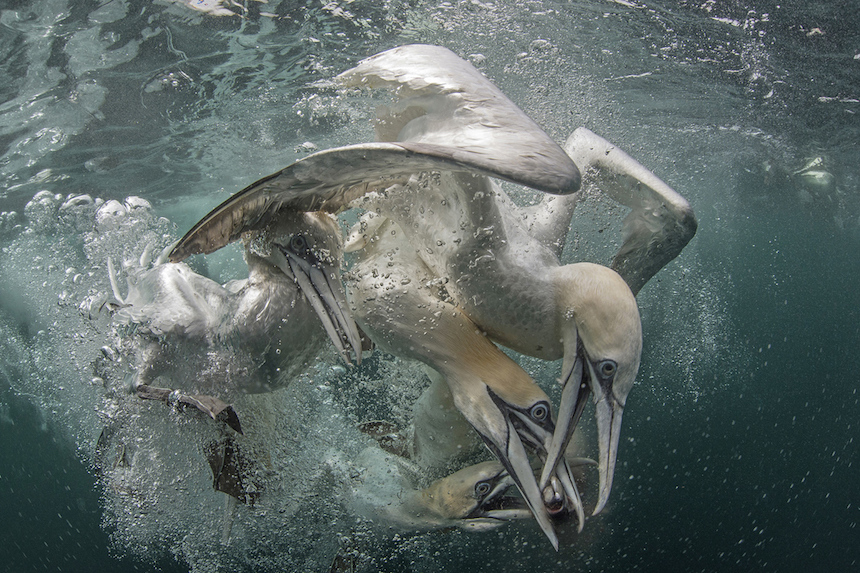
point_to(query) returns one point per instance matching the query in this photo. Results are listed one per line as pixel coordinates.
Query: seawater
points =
(739, 446)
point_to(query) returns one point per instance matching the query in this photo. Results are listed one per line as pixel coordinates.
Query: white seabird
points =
(472, 498)
(389, 489)
(451, 130)
(248, 336)
(497, 397)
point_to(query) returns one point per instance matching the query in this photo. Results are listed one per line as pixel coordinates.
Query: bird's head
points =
(508, 410)
(308, 248)
(474, 498)
(602, 335)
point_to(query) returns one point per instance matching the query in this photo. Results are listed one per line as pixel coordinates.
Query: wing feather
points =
(450, 118)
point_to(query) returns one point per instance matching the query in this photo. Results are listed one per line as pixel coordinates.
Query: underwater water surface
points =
(740, 441)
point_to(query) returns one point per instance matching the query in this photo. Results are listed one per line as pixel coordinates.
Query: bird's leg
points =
(209, 405)
(150, 363)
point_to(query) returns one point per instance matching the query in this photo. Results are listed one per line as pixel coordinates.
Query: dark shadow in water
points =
(50, 502)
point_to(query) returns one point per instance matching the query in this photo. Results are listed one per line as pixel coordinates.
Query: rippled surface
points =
(739, 447)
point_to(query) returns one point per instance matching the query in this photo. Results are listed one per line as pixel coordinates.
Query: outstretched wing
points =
(444, 101)
(449, 118)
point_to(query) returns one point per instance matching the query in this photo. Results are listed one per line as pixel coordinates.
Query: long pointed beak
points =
(514, 458)
(574, 395)
(327, 299)
(608, 412)
(497, 508)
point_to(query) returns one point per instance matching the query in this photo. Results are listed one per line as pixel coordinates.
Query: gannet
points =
(248, 336)
(389, 489)
(472, 498)
(386, 491)
(450, 132)
(405, 317)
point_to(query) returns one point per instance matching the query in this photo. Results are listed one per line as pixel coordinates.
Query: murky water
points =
(738, 450)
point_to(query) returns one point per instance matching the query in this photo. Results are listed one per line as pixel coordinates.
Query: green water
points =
(738, 450)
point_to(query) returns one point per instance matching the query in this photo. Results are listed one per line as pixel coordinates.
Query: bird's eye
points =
(482, 488)
(607, 368)
(540, 412)
(298, 243)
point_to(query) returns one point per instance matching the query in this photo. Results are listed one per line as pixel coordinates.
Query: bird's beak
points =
(320, 282)
(574, 395)
(497, 507)
(608, 411)
(506, 444)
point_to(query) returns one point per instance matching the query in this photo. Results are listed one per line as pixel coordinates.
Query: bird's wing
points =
(444, 101)
(451, 118)
(661, 222)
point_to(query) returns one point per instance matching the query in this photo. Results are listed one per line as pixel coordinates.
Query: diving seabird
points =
(472, 497)
(497, 266)
(497, 397)
(251, 335)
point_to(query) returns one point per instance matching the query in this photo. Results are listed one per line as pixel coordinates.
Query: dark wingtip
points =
(571, 180)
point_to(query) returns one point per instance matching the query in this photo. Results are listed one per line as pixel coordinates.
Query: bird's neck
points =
(475, 363)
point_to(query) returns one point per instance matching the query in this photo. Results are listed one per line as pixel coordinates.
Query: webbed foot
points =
(229, 467)
(211, 406)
